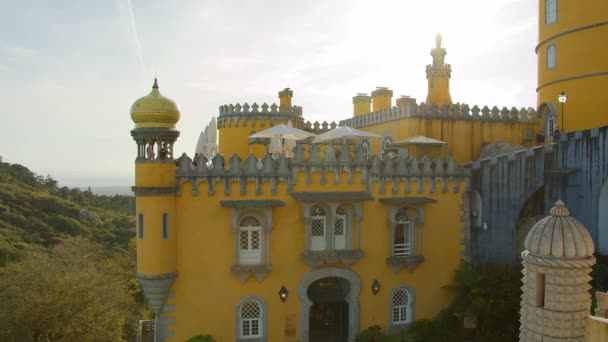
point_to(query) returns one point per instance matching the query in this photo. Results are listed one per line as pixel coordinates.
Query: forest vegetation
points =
(67, 262)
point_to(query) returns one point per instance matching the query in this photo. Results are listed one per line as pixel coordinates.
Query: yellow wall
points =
(207, 292)
(464, 137)
(381, 102)
(582, 52)
(596, 329)
(235, 140)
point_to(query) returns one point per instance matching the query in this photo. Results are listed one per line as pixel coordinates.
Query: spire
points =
(438, 41)
(438, 75)
(155, 85)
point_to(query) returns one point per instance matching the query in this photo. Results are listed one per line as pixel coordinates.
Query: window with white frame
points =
(550, 11)
(401, 306)
(250, 319)
(340, 229)
(318, 231)
(250, 241)
(551, 56)
(402, 239)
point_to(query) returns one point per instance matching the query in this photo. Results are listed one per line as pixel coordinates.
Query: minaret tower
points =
(155, 117)
(557, 262)
(439, 75)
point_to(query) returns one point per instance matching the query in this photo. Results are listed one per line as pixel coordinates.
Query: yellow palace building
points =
(338, 238)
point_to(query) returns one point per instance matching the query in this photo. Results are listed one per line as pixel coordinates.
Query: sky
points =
(70, 70)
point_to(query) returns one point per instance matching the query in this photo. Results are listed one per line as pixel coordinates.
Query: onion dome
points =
(154, 110)
(559, 236)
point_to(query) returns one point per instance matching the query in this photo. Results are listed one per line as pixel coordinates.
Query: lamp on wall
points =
(562, 98)
(375, 287)
(283, 293)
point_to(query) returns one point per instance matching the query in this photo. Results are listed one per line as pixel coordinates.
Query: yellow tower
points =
(285, 96)
(572, 58)
(362, 104)
(155, 117)
(439, 75)
(382, 98)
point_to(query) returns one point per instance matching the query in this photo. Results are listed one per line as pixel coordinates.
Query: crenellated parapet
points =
(452, 112)
(245, 115)
(403, 174)
(319, 128)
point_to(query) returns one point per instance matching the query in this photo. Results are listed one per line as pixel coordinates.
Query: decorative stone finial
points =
(155, 85)
(559, 210)
(438, 40)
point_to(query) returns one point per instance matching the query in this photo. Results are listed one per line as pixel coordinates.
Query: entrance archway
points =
(329, 309)
(602, 220)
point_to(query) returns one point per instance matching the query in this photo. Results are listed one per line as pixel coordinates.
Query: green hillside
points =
(36, 213)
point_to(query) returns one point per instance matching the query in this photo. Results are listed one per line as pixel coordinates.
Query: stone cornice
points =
(406, 200)
(150, 191)
(261, 203)
(332, 196)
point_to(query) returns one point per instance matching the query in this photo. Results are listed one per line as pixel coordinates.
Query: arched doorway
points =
(328, 317)
(602, 220)
(329, 309)
(549, 115)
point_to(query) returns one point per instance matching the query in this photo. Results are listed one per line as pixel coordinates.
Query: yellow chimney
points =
(362, 104)
(285, 96)
(381, 98)
(404, 100)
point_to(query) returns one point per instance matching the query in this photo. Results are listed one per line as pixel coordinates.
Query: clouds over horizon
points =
(69, 71)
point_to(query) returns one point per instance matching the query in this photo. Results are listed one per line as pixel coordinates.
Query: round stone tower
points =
(557, 261)
(155, 117)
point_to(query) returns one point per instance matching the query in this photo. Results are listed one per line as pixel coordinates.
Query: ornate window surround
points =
(262, 210)
(415, 208)
(263, 319)
(331, 201)
(395, 327)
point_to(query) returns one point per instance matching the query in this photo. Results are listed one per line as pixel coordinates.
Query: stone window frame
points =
(244, 271)
(330, 255)
(250, 229)
(551, 48)
(263, 319)
(547, 17)
(411, 261)
(411, 306)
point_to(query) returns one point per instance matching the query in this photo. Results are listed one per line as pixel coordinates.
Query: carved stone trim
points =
(336, 196)
(150, 191)
(347, 257)
(245, 271)
(399, 262)
(266, 203)
(407, 200)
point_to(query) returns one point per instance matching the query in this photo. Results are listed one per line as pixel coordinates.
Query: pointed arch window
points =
(402, 239)
(340, 228)
(250, 241)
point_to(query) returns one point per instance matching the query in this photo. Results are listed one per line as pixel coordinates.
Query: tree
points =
(74, 292)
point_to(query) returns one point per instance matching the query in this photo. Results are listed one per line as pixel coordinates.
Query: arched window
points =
(387, 140)
(402, 303)
(340, 229)
(251, 319)
(250, 241)
(402, 239)
(318, 231)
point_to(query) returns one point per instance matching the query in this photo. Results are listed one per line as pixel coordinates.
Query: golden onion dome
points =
(154, 110)
(559, 236)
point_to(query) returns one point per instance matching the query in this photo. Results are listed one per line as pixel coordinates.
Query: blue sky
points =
(69, 70)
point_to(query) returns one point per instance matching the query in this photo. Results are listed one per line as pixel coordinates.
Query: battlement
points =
(400, 172)
(319, 128)
(237, 114)
(453, 112)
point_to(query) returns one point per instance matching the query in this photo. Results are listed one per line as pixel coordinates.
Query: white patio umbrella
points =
(290, 144)
(202, 138)
(344, 132)
(283, 131)
(210, 148)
